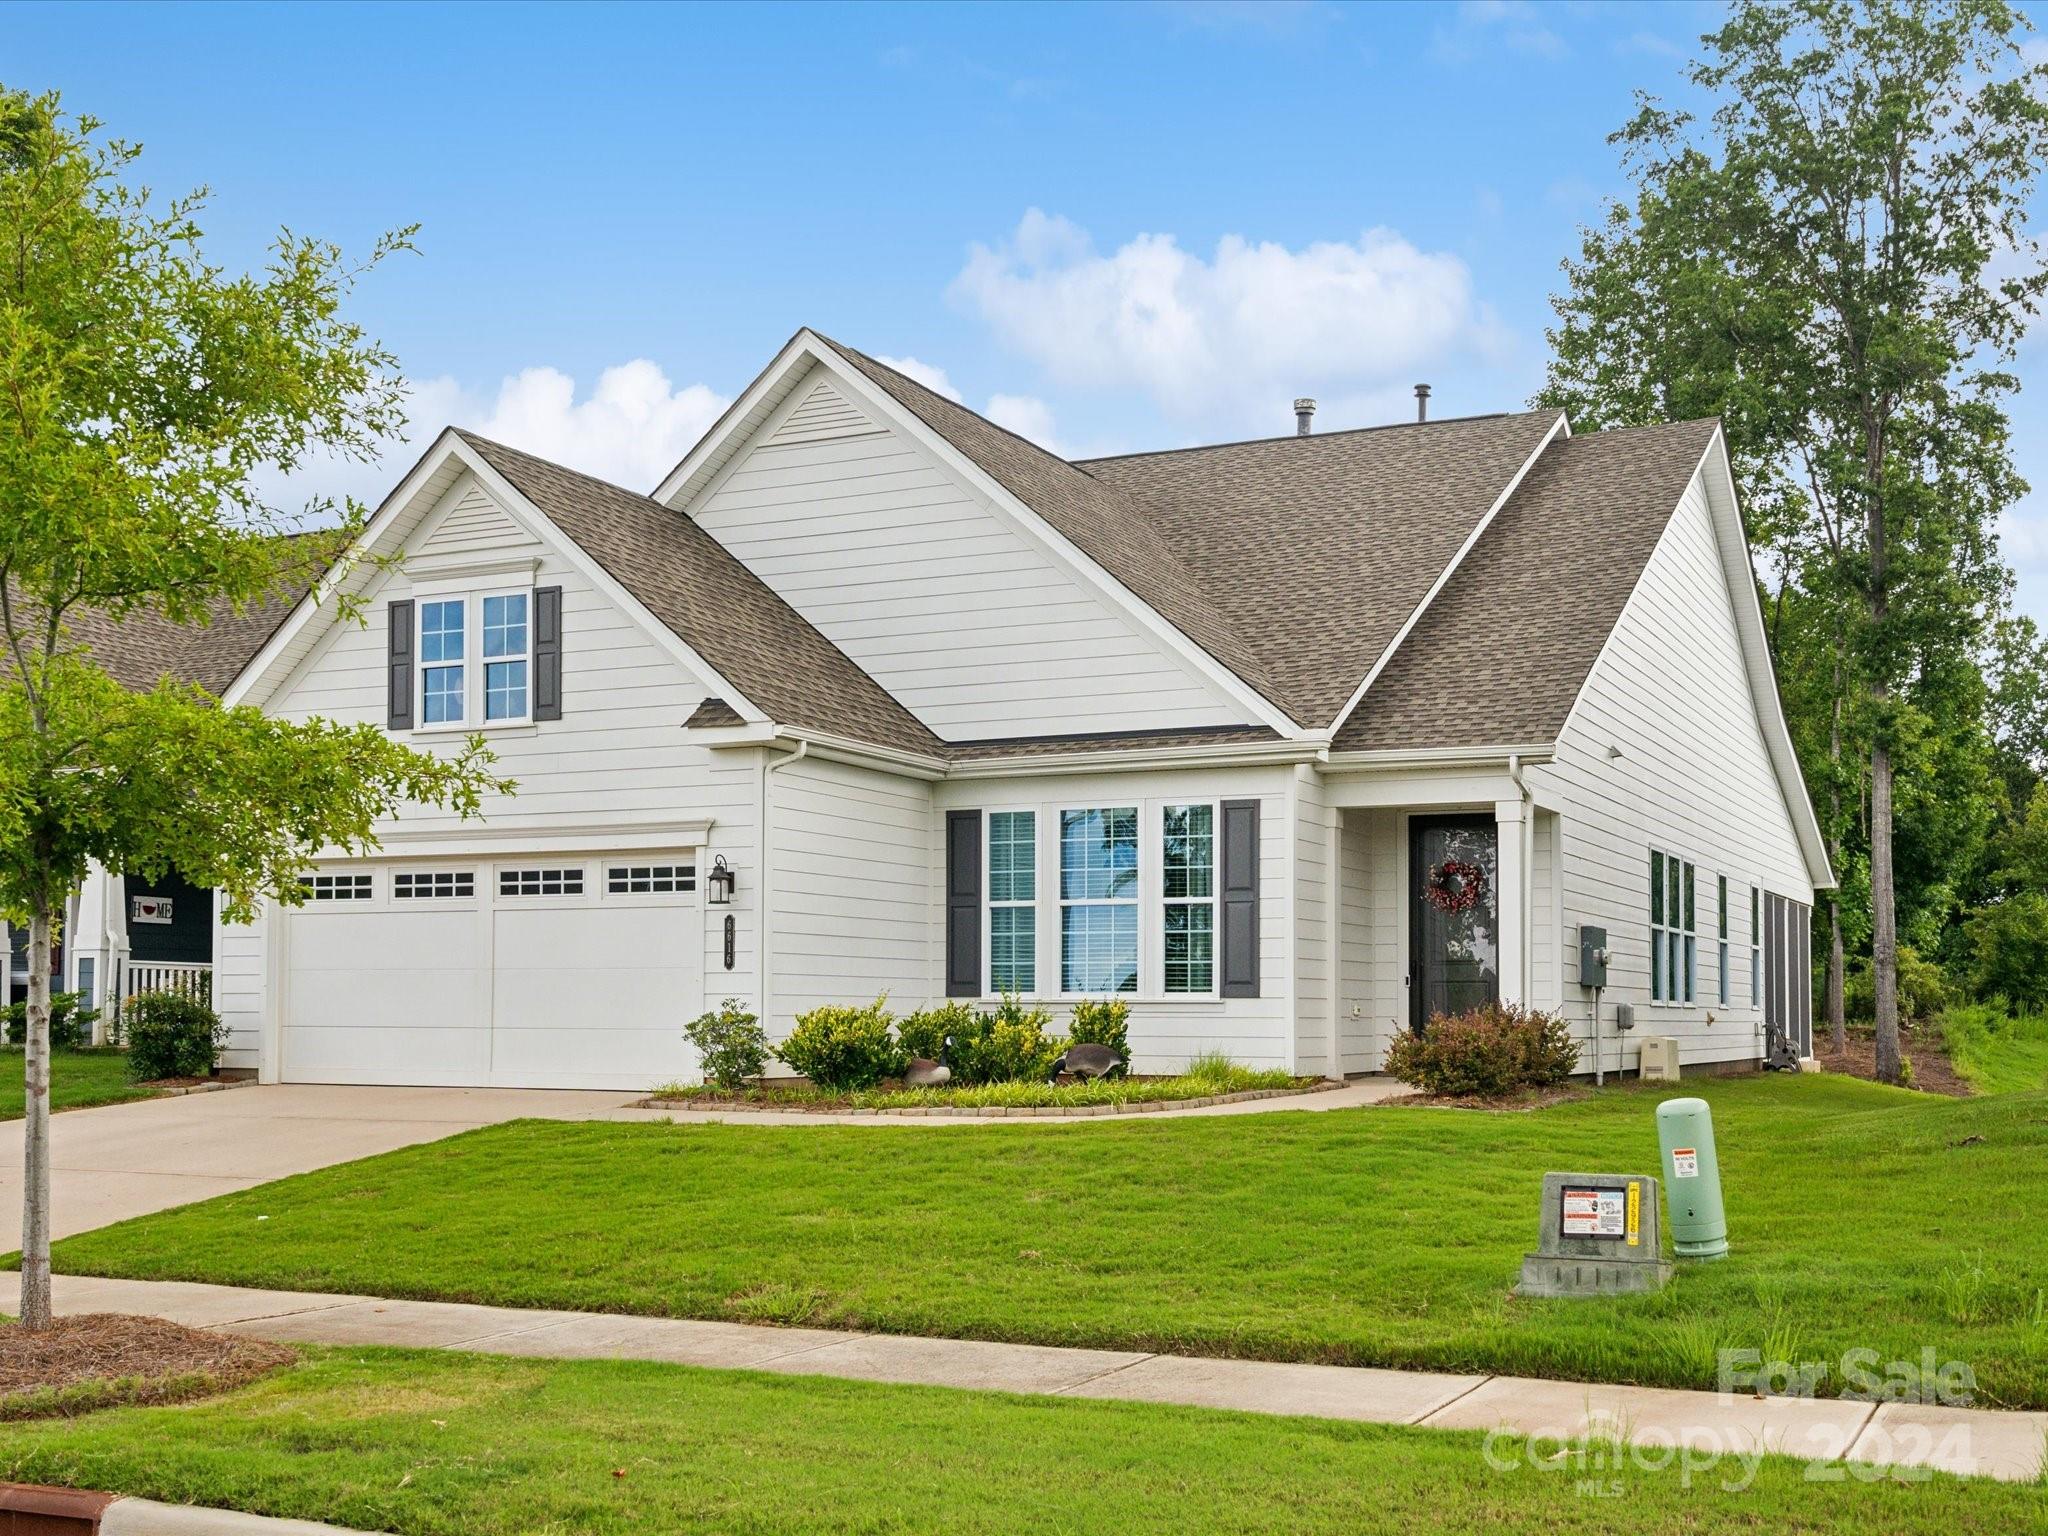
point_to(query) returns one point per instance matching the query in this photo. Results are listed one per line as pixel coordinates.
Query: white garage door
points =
(550, 972)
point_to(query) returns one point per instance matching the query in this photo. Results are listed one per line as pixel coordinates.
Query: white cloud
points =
(631, 429)
(930, 375)
(1216, 342)
(1481, 26)
(1027, 416)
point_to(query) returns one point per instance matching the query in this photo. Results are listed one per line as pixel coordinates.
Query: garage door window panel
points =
(548, 880)
(651, 879)
(432, 885)
(348, 887)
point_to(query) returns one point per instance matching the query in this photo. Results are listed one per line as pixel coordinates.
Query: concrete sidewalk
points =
(1973, 1442)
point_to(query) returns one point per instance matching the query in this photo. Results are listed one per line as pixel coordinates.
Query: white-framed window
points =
(1721, 914)
(444, 635)
(1187, 869)
(650, 879)
(505, 655)
(1674, 943)
(541, 882)
(419, 885)
(1099, 900)
(495, 630)
(1013, 901)
(336, 887)
(1756, 947)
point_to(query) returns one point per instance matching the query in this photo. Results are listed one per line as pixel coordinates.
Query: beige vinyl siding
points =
(952, 608)
(1312, 919)
(851, 858)
(1693, 778)
(1372, 1001)
(239, 988)
(468, 522)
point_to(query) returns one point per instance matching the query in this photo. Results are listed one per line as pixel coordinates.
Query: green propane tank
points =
(1692, 1179)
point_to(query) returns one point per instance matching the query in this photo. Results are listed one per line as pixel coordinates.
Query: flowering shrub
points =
(1486, 1053)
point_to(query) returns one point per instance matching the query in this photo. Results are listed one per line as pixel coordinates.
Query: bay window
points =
(1188, 896)
(1012, 901)
(1099, 900)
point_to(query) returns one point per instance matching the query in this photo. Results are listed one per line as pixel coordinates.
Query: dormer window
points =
(491, 627)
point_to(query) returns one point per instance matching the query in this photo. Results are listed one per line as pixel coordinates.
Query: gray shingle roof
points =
(691, 583)
(1499, 657)
(1317, 549)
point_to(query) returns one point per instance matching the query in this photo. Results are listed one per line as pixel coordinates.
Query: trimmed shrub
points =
(70, 1023)
(924, 1032)
(844, 1047)
(170, 1035)
(1486, 1053)
(1103, 1021)
(729, 1043)
(1009, 1045)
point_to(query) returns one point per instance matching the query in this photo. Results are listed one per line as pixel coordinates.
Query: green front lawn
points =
(1861, 1217)
(78, 1080)
(437, 1443)
(1994, 1053)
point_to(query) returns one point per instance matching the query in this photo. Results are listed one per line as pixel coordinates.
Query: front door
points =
(1453, 920)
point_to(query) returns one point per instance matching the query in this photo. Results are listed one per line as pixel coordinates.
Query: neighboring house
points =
(1291, 742)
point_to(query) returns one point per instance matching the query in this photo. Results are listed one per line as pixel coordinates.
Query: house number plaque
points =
(730, 929)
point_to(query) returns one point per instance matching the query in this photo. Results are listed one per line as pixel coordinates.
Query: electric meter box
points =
(1592, 956)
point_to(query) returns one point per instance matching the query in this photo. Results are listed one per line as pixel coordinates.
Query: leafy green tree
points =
(142, 389)
(1837, 262)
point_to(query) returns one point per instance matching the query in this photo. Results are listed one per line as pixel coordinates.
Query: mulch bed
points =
(1932, 1070)
(1513, 1103)
(98, 1359)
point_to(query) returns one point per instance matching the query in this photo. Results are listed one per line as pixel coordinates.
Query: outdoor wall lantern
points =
(720, 882)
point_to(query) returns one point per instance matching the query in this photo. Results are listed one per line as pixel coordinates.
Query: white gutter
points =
(1396, 758)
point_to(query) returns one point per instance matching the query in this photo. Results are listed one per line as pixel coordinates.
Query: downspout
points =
(1526, 863)
(769, 765)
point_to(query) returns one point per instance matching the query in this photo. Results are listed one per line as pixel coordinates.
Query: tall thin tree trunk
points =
(35, 1204)
(1884, 918)
(1837, 1021)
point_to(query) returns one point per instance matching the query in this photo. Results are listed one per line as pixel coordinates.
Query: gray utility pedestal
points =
(1600, 1236)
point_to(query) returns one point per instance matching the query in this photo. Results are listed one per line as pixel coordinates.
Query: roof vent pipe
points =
(1304, 412)
(1422, 402)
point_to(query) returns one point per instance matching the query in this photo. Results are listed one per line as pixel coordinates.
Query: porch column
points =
(1511, 898)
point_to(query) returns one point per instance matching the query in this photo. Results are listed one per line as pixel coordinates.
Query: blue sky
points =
(1109, 227)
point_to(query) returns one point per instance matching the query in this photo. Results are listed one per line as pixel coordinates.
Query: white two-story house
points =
(1292, 743)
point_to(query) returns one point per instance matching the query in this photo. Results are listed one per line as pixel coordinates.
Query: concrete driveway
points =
(130, 1159)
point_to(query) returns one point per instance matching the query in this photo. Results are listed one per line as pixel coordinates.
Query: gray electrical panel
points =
(1592, 956)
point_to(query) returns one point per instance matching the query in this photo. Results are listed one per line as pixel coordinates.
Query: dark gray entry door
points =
(1453, 939)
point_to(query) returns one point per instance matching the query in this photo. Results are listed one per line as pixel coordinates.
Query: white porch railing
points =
(189, 979)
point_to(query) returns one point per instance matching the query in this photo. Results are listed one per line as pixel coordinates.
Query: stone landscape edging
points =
(992, 1111)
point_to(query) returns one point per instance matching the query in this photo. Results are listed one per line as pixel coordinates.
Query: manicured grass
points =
(1861, 1216)
(78, 1080)
(1995, 1053)
(425, 1444)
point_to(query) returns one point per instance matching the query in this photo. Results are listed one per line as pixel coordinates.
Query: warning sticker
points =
(1595, 1213)
(1635, 1214)
(1685, 1162)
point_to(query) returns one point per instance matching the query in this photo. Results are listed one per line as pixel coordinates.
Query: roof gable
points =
(1321, 549)
(1500, 656)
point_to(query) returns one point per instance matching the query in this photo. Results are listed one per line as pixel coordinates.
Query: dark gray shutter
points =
(398, 657)
(963, 903)
(547, 653)
(1240, 898)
